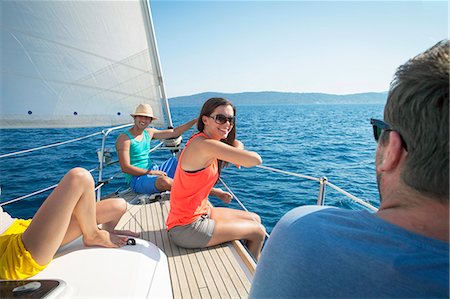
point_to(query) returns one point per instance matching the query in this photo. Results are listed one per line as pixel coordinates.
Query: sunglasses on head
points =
(379, 126)
(221, 119)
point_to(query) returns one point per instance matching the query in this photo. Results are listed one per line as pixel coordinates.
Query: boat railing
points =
(102, 163)
(323, 181)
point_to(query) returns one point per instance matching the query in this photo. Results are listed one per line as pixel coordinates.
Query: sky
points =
(339, 47)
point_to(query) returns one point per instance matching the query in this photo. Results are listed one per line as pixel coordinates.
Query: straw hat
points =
(144, 110)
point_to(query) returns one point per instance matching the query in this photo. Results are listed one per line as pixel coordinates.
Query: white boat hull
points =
(134, 271)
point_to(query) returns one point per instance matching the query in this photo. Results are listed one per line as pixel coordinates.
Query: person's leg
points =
(228, 213)
(163, 183)
(73, 197)
(150, 184)
(235, 225)
(169, 167)
(108, 213)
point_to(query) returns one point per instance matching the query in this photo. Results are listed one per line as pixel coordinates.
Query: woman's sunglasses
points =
(379, 126)
(221, 119)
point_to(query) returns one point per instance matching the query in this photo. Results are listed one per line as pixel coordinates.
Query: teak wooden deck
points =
(195, 273)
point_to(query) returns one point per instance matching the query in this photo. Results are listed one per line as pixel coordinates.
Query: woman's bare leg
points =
(235, 225)
(108, 213)
(75, 196)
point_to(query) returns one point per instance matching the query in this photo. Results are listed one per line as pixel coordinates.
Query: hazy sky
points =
(297, 46)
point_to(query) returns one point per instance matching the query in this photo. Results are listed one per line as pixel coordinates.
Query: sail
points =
(78, 64)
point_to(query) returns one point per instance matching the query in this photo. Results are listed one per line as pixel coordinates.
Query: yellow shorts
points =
(16, 262)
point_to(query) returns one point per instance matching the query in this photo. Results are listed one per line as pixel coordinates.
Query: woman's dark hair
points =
(208, 108)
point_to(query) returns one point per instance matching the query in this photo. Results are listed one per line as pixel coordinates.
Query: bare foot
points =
(125, 233)
(104, 238)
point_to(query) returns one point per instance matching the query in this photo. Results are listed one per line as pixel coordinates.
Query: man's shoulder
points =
(123, 137)
(151, 132)
(312, 219)
(300, 213)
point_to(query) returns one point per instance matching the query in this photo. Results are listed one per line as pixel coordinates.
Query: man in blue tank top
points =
(401, 251)
(133, 149)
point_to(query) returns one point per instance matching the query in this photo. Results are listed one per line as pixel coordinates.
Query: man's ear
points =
(392, 153)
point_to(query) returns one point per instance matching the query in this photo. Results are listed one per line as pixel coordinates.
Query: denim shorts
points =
(194, 235)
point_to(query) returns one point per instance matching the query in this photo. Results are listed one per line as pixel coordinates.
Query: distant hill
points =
(281, 98)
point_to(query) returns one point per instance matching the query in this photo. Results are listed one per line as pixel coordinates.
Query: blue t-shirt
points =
(336, 253)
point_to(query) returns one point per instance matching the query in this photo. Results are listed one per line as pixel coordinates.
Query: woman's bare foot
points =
(125, 233)
(104, 238)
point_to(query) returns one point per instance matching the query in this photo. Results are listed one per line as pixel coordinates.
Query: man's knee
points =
(163, 183)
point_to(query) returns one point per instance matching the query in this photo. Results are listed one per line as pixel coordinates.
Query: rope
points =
(289, 173)
(48, 146)
(242, 205)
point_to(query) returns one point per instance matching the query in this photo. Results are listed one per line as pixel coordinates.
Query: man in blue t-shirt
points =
(133, 150)
(401, 251)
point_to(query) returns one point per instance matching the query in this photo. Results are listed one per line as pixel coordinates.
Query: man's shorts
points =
(145, 184)
(16, 262)
(194, 235)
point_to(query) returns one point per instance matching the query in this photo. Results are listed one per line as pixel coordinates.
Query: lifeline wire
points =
(241, 204)
(54, 186)
(48, 146)
(33, 193)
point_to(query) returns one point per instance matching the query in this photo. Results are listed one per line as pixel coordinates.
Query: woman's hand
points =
(222, 195)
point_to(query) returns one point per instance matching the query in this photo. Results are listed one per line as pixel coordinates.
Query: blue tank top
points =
(139, 153)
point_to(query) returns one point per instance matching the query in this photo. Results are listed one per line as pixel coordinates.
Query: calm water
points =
(316, 140)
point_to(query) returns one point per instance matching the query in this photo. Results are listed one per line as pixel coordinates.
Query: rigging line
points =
(35, 192)
(289, 173)
(28, 195)
(117, 161)
(54, 186)
(49, 145)
(356, 199)
(242, 205)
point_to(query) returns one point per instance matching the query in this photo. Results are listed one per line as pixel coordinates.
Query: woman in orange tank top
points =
(192, 222)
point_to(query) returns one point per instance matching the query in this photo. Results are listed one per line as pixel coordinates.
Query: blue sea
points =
(335, 141)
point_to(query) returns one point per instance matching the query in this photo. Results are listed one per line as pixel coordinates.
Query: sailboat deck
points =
(195, 273)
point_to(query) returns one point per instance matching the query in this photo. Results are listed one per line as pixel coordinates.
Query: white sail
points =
(78, 64)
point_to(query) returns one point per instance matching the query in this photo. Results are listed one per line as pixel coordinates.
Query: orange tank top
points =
(190, 190)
